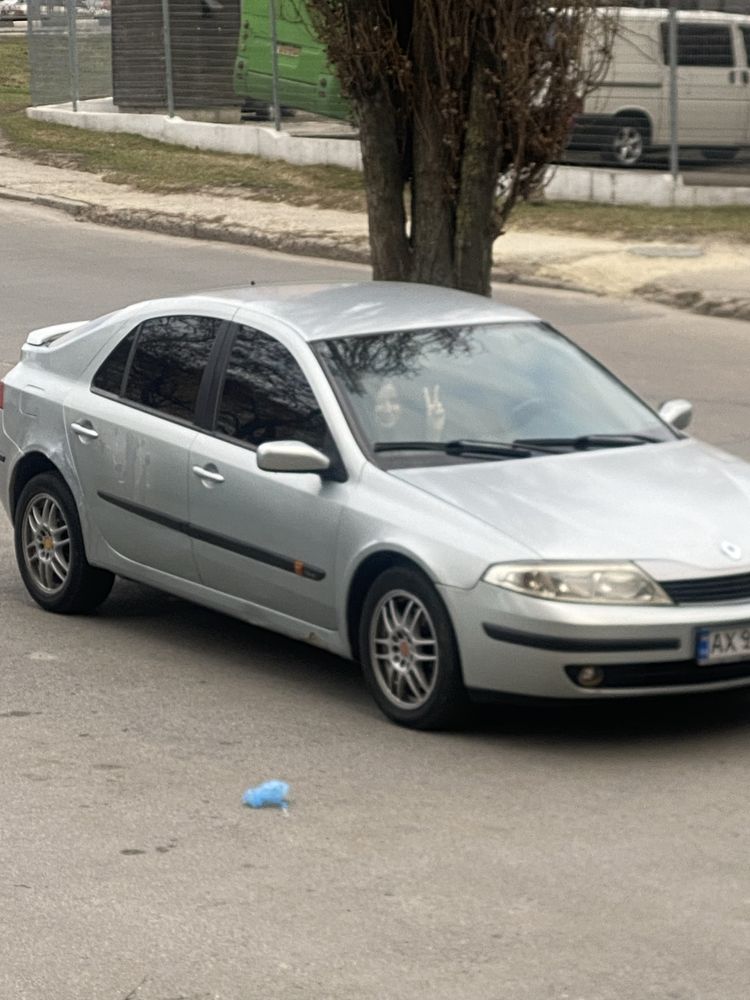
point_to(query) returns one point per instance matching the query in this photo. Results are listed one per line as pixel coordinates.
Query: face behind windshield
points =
(485, 383)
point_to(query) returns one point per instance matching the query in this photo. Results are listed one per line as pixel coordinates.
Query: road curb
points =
(168, 224)
(722, 306)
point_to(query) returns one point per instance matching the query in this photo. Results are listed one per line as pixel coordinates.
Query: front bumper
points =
(513, 644)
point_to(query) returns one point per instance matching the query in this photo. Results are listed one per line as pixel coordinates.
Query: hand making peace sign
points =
(434, 411)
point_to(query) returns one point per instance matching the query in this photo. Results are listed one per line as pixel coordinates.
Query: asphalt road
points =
(539, 855)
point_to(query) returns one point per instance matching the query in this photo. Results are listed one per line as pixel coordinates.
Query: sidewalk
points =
(707, 277)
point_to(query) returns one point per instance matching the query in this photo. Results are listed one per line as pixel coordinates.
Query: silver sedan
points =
(443, 488)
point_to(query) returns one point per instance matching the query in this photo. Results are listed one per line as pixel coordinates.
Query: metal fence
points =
(676, 94)
(69, 50)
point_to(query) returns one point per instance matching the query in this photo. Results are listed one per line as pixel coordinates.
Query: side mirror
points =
(291, 456)
(677, 412)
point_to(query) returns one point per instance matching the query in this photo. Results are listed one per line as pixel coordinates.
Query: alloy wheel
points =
(46, 544)
(404, 649)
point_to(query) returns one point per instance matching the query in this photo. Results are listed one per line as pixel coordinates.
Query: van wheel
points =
(631, 137)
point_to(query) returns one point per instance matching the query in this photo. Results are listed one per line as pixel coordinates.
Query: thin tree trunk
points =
(432, 212)
(475, 216)
(383, 175)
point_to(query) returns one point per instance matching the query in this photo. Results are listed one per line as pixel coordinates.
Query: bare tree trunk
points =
(383, 174)
(475, 215)
(432, 212)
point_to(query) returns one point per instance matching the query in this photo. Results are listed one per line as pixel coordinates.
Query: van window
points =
(746, 39)
(700, 45)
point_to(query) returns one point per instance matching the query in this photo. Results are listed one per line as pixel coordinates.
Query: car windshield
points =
(490, 385)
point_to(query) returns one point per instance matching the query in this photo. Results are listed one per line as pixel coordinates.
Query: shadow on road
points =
(669, 719)
(230, 644)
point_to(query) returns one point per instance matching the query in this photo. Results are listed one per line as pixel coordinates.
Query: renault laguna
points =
(443, 488)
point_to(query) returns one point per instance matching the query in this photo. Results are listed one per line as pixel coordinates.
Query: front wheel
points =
(409, 653)
(50, 552)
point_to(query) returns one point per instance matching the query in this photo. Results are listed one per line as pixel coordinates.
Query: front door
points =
(267, 538)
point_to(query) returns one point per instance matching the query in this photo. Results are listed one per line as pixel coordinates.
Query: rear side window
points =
(265, 395)
(700, 45)
(746, 39)
(161, 363)
(110, 375)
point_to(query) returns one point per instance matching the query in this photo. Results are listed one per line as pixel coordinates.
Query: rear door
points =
(130, 434)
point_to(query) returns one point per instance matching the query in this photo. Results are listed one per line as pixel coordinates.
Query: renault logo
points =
(731, 550)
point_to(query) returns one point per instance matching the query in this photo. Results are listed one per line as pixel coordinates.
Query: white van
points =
(628, 113)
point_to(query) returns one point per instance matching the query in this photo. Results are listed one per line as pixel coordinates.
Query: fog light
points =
(590, 677)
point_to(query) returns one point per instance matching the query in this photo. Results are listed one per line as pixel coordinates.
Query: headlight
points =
(586, 583)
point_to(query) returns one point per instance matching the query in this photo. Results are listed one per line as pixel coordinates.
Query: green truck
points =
(305, 80)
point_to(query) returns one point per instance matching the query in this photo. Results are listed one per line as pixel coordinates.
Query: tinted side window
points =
(746, 38)
(109, 376)
(170, 357)
(700, 45)
(265, 396)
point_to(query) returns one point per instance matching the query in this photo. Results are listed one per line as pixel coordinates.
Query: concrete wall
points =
(255, 140)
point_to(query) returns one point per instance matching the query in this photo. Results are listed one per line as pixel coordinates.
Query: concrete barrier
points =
(246, 139)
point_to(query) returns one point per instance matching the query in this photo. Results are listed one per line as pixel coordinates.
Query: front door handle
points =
(84, 430)
(210, 474)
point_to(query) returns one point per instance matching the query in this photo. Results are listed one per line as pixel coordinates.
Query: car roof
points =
(319, 312)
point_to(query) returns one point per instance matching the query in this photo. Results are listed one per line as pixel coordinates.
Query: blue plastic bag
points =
(270, 793)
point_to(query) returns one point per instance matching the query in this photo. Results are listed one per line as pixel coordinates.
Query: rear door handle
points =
(84, 430)
(210, 475)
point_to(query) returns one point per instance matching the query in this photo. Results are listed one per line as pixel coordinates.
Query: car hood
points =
(670, 505)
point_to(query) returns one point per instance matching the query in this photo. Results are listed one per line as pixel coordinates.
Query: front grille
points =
(709, 589)
(670, 674)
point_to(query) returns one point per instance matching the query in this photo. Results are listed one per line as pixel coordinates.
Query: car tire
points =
(50, 552)
(629, 141)
(404, 618)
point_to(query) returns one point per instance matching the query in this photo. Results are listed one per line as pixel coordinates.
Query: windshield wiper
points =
(466, 446)
(586, 441)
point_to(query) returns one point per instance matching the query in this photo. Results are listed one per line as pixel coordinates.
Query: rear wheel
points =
(630, 140)
(50, 552)
(409, 653)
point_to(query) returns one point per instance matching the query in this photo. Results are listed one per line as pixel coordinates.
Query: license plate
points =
(722, 645)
